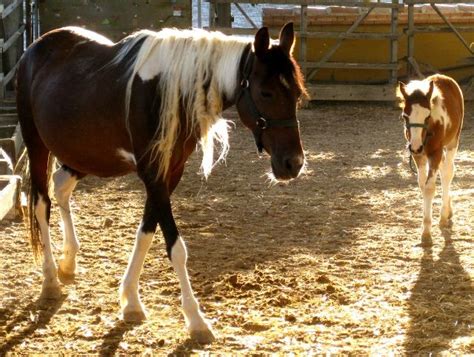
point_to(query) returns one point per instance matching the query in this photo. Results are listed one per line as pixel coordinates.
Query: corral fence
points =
(348, 49)
(358, 50)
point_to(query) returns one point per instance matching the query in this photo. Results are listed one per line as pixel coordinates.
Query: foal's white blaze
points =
(64, 184)
(50, 283)
(127, 156)
(132, 308)
(195, 321)
(418, 115)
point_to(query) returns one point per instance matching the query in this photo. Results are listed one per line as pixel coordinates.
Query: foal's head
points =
(416, 104)
(271, 88)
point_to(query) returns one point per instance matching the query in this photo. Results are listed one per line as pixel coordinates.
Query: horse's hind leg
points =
(447, 174)
(41, 206)
(65, 180)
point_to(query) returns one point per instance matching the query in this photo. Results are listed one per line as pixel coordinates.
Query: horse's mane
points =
(196, 70)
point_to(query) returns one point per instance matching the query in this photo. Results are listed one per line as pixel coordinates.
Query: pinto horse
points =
(433, 111)
(142, 105)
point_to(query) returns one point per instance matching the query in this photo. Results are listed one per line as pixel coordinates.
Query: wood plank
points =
(355, 3)
(358, 92)
(9, 195)
(353, 35)
(7, 44)
(347, 65)
(10, 8)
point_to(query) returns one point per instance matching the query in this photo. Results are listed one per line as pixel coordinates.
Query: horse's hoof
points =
(50, 292)
(426, 240)
(133, 316)
(203, 337)
(65, 277)
(445, 223)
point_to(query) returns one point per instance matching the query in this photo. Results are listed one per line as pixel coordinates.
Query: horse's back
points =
(452, 95)
(75, 102)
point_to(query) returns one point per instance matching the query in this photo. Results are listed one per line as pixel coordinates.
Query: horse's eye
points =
(427, 119)
(266, 94)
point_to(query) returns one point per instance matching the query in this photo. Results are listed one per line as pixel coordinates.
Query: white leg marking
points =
(64, 184)
(50, 288)
(428, 194)
(447, 174)
(132, 308)
(197, 325)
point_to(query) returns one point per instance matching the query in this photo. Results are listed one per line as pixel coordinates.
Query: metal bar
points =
(10, 8)
(247, 17)
(394, 44)
(452, 28)
(338, 43)
(303, 39)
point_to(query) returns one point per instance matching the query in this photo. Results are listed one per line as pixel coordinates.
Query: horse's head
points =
(416, 114)
(271, 87)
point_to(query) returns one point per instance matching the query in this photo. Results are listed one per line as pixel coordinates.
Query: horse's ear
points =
(262, 42)
(287, 38)
(401, 89)
(430, 91)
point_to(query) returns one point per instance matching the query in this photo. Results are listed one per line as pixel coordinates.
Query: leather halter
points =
(409, 125)
(261, 123)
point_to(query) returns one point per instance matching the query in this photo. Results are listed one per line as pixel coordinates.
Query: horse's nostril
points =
(294, 164)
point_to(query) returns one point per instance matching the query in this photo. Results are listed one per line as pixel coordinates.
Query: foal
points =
(433, 111)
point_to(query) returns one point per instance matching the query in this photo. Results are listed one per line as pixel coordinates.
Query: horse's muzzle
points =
(417, 151)
(288, 167)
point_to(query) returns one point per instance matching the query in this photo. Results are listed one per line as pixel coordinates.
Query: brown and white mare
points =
(142, 105)
(433, 111)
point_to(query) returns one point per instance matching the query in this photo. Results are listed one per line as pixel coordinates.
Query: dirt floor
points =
(329, 263)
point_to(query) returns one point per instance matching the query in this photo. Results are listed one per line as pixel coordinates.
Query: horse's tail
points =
(38, 176)
(33, 197)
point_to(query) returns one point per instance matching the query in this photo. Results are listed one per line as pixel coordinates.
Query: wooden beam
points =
(347, 65)
(355, 3)
(5, 12)
(357, 92)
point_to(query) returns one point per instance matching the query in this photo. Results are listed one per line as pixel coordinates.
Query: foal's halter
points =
(409, 125)
(261, 123)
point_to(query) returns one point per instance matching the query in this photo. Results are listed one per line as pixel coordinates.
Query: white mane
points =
(196, 69)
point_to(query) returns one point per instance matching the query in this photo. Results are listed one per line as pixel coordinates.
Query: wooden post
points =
(394, 42)
(303, 37)
(410, 40)
(224, 18)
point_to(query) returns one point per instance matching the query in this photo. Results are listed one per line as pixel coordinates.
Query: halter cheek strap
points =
(261, 123)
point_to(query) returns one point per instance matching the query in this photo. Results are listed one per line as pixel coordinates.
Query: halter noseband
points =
(261, 123)
(409, 125)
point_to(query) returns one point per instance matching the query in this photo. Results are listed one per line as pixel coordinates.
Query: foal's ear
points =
(430, 91)
(262, 42)
(401, 90)
(287, 38)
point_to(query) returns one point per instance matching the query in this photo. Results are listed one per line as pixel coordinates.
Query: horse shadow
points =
(112, 339)
(36, 315)
(441, 301)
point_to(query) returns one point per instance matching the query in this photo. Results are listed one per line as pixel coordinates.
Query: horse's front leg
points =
(158, 211)
(447, 174)
(429, 191)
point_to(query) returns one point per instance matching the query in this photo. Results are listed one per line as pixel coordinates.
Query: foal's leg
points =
(158, 211)
(65, 181)
(429, 191)
(447, 174)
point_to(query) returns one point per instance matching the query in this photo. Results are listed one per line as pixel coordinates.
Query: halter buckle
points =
(244, 83)
(262, 123)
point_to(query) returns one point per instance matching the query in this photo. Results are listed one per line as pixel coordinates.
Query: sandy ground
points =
(328, 263)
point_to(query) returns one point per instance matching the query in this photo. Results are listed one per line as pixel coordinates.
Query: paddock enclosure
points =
(330, 262)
